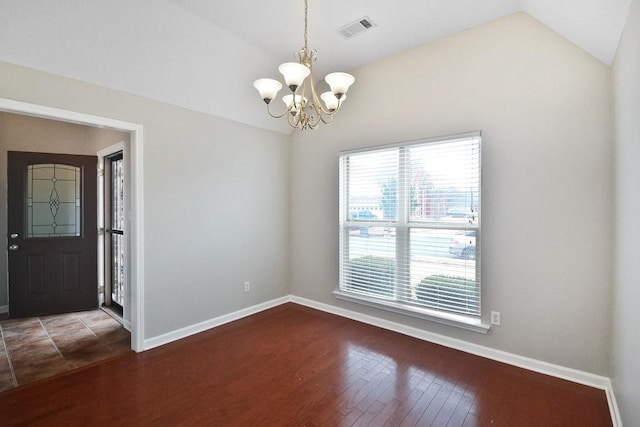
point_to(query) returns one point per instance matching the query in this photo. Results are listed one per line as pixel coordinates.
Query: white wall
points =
(216, 207)
(544, 107)
(626, 308)
(141, 47)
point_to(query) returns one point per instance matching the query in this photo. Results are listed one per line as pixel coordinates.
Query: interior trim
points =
(212, 323)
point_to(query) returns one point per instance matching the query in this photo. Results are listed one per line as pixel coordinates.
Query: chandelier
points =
(305, 111)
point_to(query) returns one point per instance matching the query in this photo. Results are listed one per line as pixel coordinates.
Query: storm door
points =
(114, 241)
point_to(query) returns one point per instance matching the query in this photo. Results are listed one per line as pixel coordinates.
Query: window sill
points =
(450, 319)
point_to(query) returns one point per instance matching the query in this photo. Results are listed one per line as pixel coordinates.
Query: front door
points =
(52, 223)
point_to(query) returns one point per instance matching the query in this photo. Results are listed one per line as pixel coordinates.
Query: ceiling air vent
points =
(354, 28)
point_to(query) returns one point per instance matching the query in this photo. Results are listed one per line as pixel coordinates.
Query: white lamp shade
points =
(288, 101)
(268, 88)
(294, 74)
(339, 83)
(330, 100)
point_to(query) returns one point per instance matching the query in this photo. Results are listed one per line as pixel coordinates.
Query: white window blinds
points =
(410, 224)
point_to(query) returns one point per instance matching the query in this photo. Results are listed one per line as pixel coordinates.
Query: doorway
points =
(135, 212)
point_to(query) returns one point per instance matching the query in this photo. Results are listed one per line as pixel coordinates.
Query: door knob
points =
(14, 235)
(14, 247)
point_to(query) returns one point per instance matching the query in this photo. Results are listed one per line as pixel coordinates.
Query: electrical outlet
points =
(495, 318)
(247, 286)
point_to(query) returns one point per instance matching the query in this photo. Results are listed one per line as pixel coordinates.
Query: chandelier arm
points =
(326, 112)
(318, 103)
(275, 116)
(327, 122)
(303, 92)
(314, 94)
(291, 119)
(318, 118)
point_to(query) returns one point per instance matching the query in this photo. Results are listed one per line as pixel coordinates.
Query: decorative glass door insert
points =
(53, 201)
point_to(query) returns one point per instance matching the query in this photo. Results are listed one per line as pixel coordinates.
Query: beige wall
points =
(24, 133)
(215, 200)
(225, 202)
(544, 107)
(626, 308)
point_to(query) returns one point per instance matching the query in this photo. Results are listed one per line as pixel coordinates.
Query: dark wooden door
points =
(52, 224)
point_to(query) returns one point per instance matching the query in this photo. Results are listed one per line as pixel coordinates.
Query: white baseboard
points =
(574, 375)
(613, 405)
(159, 340)
(4, 308)
(570, 374)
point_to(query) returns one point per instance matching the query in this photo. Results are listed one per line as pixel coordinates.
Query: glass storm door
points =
(114, 219)
(52, 242)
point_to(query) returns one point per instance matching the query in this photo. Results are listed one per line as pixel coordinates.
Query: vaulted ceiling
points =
(205, 54)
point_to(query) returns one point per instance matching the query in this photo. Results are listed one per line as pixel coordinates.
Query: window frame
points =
(403, 226)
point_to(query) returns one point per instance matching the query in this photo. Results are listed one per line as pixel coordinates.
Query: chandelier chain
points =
(306, 8)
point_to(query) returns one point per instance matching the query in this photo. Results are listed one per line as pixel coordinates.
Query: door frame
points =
(135, 186)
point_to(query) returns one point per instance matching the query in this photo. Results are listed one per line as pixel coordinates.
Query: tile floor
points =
(39, 347)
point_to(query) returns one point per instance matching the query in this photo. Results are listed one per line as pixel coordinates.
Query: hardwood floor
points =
(294, 366)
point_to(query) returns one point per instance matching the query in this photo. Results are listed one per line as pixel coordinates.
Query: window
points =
(410, 228)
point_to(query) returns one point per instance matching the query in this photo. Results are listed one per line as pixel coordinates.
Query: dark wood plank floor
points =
(294, 366)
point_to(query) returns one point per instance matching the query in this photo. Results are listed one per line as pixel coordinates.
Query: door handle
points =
(14, 235)
(14, 247)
